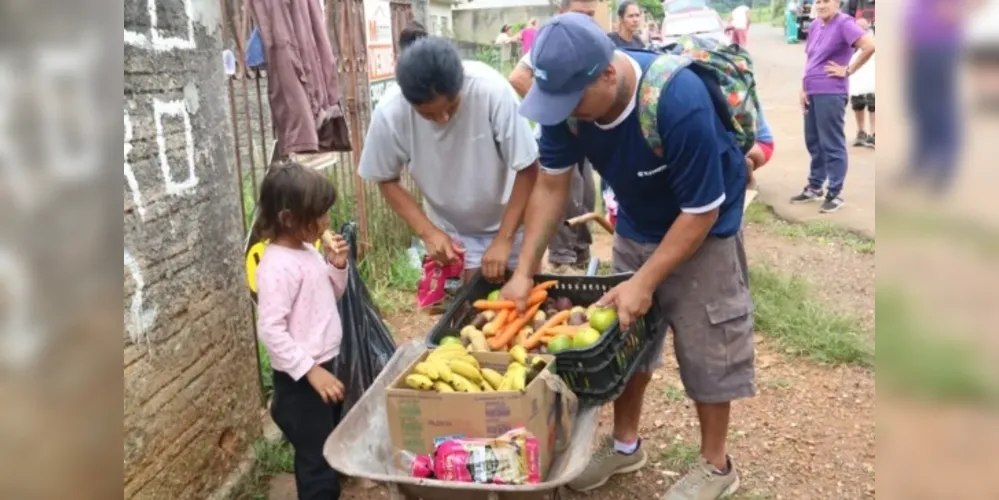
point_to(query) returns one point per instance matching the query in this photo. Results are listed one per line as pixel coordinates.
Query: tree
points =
(653, 7)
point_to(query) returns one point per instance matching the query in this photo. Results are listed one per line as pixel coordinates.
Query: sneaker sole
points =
(623, 470)
(831, 210)
(802, 202)
(731, 489)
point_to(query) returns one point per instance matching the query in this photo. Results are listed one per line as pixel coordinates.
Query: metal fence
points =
(254, 138)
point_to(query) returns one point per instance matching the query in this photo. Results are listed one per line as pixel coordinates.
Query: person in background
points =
(527, 35)
(629, 25)
(862, 94)
(739, 20)
(411, 33)
(454, 126)
(832, 38)
(676, 232)
(932, 53)
(504, 37)
(570, 247)
(652, 35)
(297, 321)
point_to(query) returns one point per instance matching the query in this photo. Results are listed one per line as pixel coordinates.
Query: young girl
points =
(298, 323)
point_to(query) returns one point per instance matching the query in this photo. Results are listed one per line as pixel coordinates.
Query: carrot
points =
(564, 330)
(536, 297)
(556, 319)
(544, 285)
(510, 330)
(494, 326)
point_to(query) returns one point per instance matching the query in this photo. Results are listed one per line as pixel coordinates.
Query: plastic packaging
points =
(513, 458)
(367, 343)
(439, 281)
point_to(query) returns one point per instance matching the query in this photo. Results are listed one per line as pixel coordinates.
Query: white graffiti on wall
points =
(138, 318)
(156, 41)
(19, 340)
(133, 184)
(175, 108)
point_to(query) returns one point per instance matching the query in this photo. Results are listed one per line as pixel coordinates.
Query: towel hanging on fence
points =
(302, 79)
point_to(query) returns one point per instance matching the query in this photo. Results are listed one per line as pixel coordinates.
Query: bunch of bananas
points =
(450, 368)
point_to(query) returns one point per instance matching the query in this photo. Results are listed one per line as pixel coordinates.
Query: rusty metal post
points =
(353, 28)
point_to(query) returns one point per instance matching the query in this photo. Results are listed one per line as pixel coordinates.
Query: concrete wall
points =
(482, 25)
(440, 15)
(191, 400)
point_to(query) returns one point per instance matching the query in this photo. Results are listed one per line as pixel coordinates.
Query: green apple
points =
(602, 318)
(585, 337)
(559, 343)
(450, 340)
(493, 295)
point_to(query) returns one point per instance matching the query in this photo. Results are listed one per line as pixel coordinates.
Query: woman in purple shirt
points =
(832, 38)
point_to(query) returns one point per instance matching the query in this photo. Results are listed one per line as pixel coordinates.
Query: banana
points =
(444, 372)
(442, 386)
(515, 366)
(427, 369)
(506, 383)
(466, 370)
(470, 360)
(493, 377)
(518, 377)
(538, 363)
(419, 382)
(486, 387)
(447, 355)
(462, 384)
(519, 354)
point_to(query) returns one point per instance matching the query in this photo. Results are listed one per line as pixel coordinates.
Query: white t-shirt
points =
(740, 17)
(464, 169)
(862, 82)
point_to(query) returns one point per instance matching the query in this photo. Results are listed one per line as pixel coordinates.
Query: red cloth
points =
(739, 37)
(768, 151)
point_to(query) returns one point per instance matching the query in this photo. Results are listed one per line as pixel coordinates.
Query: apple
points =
(602, 318)
(559, 343)
(493, 295)
(585, 337)
(450, 339)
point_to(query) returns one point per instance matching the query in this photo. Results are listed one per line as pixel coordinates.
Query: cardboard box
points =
(419, 420)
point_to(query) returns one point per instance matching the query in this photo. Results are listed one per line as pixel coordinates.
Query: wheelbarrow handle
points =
(592, 216)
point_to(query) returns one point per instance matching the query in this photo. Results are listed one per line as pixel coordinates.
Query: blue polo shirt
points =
(702, 166)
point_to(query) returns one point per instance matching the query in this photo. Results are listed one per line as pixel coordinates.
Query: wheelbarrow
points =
(360, 447)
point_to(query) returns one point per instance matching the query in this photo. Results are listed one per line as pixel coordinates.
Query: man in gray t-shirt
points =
(455, 125)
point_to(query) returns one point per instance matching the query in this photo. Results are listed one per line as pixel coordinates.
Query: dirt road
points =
(779, 67)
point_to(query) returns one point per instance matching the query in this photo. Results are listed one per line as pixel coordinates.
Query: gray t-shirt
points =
(464, 169)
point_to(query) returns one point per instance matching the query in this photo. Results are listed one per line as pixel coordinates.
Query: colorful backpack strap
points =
(656, 77)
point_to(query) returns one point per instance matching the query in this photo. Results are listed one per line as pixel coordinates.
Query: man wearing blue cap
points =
(680, 210)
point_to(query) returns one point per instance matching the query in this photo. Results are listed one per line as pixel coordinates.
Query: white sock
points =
(626, 448)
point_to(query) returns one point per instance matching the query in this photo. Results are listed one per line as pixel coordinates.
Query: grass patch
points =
(802, 326)
(674, 393)
(392, 281)
(777, 383)
(918, 359)
(680, 456)
(269, 460)
(978, 237)
(821, 231)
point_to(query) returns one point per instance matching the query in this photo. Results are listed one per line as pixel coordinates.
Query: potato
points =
(563, 303)
(577, 318)
(482, 318)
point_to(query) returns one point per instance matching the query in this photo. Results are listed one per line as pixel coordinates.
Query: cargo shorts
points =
(706, 303)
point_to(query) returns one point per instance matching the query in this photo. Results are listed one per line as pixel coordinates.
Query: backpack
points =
(726, 69)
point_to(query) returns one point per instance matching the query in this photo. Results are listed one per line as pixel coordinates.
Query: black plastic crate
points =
(598, 373)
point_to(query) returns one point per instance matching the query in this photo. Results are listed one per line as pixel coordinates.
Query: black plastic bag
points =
(367, 343)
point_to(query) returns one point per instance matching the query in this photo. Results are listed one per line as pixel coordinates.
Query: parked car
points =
(680, 6)
(706, 23)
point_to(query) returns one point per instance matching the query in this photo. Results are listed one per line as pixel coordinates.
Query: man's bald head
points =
(588, 7)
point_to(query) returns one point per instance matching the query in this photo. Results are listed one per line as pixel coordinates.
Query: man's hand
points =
(328, 386)
(336, 248)
(495, 259)
(632, 300)
(804, 102)
(517, 289)
(835, 69)
(441, 248)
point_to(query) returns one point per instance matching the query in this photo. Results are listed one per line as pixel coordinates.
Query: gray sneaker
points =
(807, 195)
(606, 462)
(861, 139)
(831, 204)
(704, 483)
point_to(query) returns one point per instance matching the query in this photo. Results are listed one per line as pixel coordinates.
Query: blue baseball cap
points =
(569, 53)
